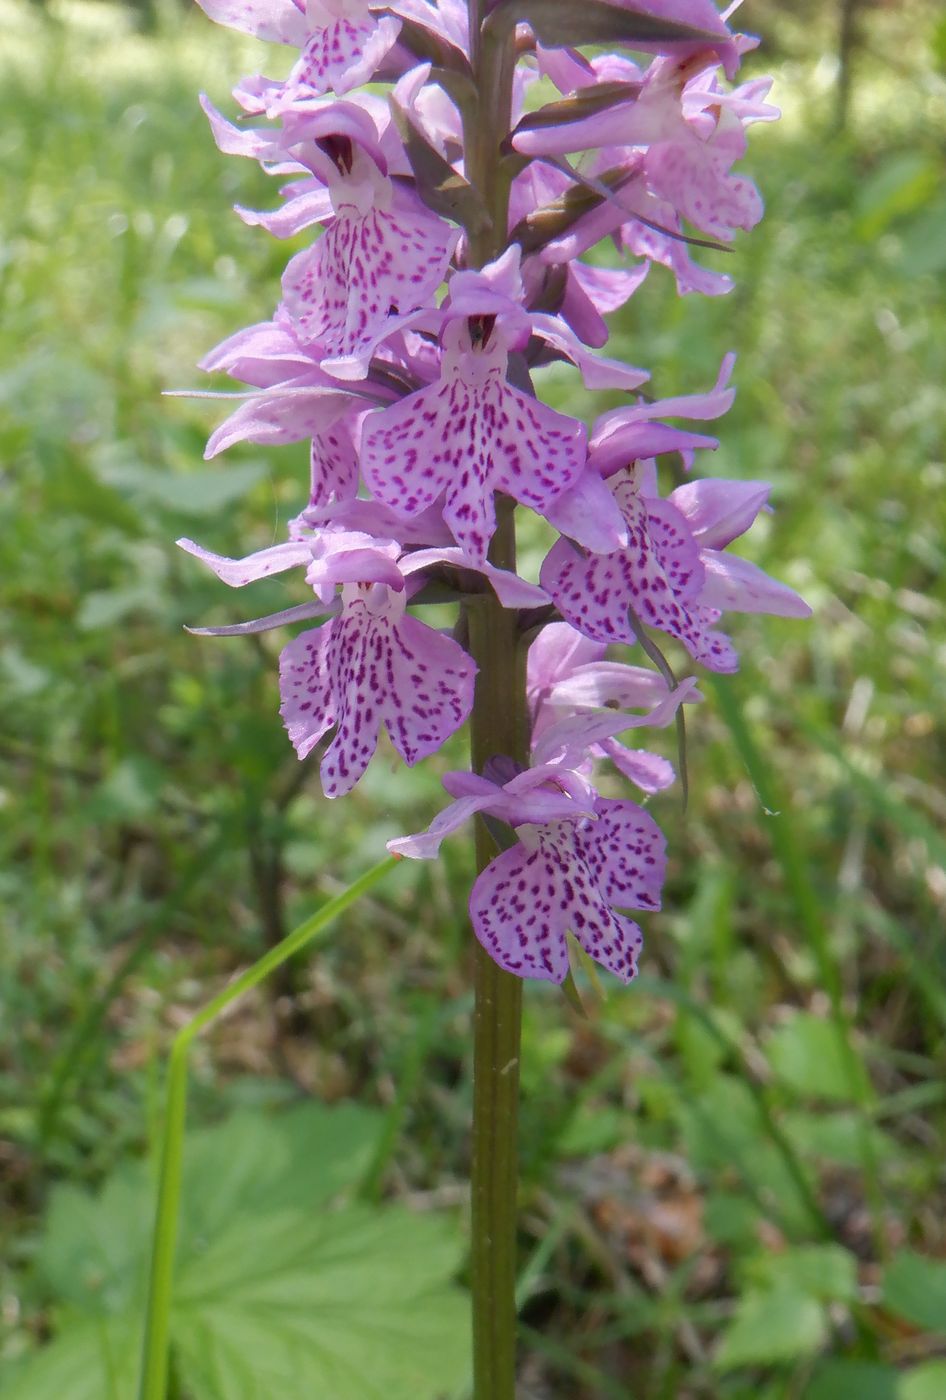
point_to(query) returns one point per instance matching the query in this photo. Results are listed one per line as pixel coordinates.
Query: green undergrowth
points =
(732, 1173)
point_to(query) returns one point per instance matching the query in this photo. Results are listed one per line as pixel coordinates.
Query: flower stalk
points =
(498, 725)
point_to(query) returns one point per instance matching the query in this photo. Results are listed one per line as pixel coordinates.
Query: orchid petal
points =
(719, 511)
(265, 562)
(302, 613)
(738, 585)
(426, 844)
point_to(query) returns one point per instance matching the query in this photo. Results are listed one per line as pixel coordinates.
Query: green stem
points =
(499, 726)
(154, 1365)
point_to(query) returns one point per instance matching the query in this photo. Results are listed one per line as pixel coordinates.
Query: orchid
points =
(403, 347)
(447, 223)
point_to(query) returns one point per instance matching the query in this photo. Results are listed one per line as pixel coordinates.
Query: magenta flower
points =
(381, 257)
(374, 664)
(472, 433)
(342, 42)
(579, 859)
(568, 676)
(370, 664)
(661, 574)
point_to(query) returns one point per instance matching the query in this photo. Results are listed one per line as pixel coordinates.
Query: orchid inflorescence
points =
(410, 369)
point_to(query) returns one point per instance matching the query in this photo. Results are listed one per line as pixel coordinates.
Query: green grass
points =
(775, 1081)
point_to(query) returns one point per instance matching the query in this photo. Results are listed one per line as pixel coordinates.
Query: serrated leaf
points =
(771, 1325)
(278, 1293)
(94, 1249)
(915, 1288)
(91, 1359)
(299, 1159)
(925, 1382)
(808, 1054)
(558, 23)
(825, 1271)
(353, 1304)
(837, 1378)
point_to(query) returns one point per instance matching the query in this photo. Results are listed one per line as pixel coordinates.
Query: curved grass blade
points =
(154, 1364)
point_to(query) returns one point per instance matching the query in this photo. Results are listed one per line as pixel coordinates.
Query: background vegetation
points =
(733, 1173)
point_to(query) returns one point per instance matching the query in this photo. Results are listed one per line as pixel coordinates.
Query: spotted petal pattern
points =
(470, 434)
(660, 575)
(344, 52)
(342, 293)
(365, 667)
(568, 877)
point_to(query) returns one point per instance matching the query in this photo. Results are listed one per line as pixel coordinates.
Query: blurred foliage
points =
(733, 1173)
(270, 1283)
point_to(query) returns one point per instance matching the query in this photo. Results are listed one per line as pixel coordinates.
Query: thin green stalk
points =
(154, 1365)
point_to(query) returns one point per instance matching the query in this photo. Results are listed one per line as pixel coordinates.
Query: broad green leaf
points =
(809, 1055)
(825, 1271)
(91, 1359)
(777, 1324)
(254, 1163)
(864, 1380)
(94, 1248)
(915, 1288)
(353, 1304)
(926, 1382)
(278, 1294)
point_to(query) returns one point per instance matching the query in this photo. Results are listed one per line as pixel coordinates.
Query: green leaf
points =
(277, 1293)
(809, 1055)
(915, 1288)
(838, 1378)
(926, 1382)
(91, 1359)
(353, 1304)
(777, 1324)
(825, 1271)
(94, 1248)
(251, 1163)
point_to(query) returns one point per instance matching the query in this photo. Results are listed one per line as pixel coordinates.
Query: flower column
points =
(498, 725)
